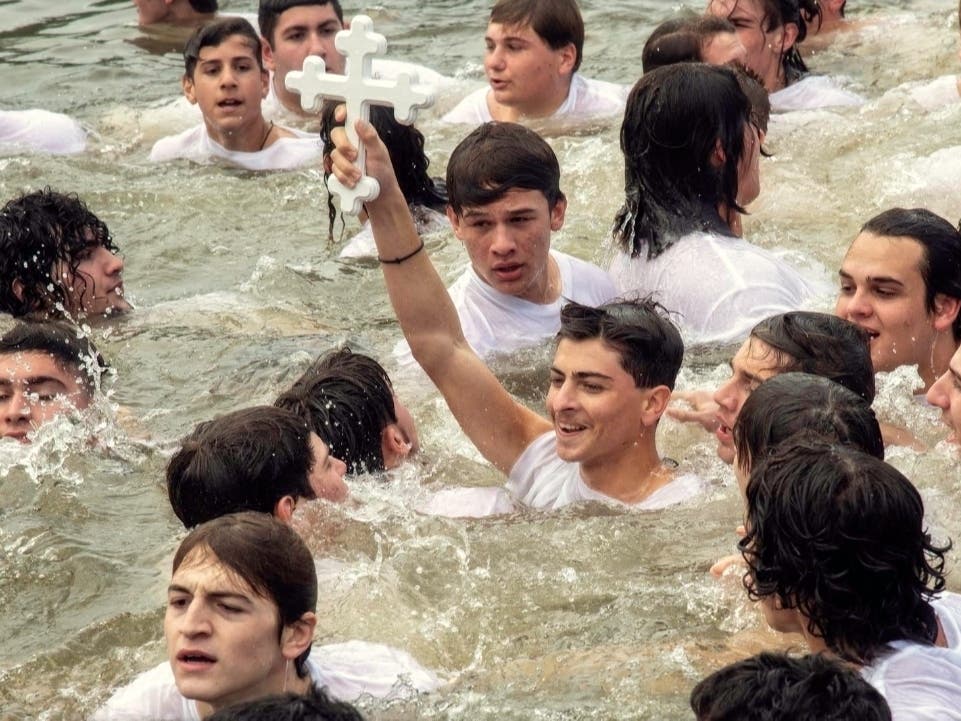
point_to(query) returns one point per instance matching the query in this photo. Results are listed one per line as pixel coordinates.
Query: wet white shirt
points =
(812, 92)
(541, 479)
(40, 131)
(718, 286)
(426, 220)
(586, 99)
(935, 93)
(196, 144)
(347, 670)
(948, 607)
(920, 683)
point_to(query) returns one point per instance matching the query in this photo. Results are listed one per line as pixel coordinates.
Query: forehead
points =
(20, 365)
(513, 201)
(521, 31)
(318, 448)
(201, 568)
(755, 357)
(737, 8)
(307, 15)
(591, 356)
(874, 256)
(232, 46)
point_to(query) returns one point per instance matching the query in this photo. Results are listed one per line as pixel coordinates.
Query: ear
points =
(946, 310)
(17, 288)
(558, 212)
(284, 509)
(297, 636)
(393, 446)
(655, 403)
(718, 156)
(455, 221)
(267, 53)
(264, 83)
(789, 33)
(568, 57)
(187, 83)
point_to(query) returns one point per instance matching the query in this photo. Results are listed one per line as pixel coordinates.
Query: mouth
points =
(497, 84)
(20, 436)
(507, 272)
(230, 103)
(872, 334)
(723, 433)
(192, 660)
(566, 429)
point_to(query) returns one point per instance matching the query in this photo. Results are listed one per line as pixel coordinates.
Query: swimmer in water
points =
(175, 12)
(945, 393)
(693, 39)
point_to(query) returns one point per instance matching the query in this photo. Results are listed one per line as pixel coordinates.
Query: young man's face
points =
(946, 395)
(301, 31)
(594, 403)
(508, 242)
(723, 48)
(762, 48)
(34, 389)
(524, 71)
(228, 85)
(754, 362)
(327, 474)
(151, 11)
(96, 288)
(882, 290)
(222, 637)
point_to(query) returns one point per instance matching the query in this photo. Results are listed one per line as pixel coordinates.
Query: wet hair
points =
(557, 22)
(675, 118)
(760, 100)
(269, 12)
(38, 231)
(70, 349)
(649, 344)
(347, 399)
(778, 13)
(268, 556)
(405, 144)
(215, 33)
(497, 158)
(315, 705)
(791, 403)
(941, 243)
(778, 687)
(204, 6)
(838, 535)
(820, 344)
(682, 40)
(242, 461)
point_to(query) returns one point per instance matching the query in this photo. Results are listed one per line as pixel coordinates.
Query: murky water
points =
(589, 613)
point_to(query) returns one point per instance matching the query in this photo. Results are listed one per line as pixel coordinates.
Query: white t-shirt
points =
(541, 479)
(195, 144)
(426, 220)
(41, 131)
(936, 93)
(347, 670)
(469, 502)
(919, 682)
(586, 99)
(812, 92)
(719, 286)
(948, 607)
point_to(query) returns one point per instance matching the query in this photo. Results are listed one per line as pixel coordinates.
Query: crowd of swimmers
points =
(834, 541)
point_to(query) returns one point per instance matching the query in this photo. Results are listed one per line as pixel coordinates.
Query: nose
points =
(503, 240)
(112, 263)
(340, 467)
(15, 410)
(494, 58)
(724, 397)
(855, 305)
(194, 621)
(937, 394)
(316, 45)
(562, 397)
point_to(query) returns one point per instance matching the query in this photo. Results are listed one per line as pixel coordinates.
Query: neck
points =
(541, 108)
(248, 138)
(632, 475)
(549, 289)
(290, 101)
(944, 347)
(293, 684)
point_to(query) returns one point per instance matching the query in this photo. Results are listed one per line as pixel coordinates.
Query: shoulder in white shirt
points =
(196, 144)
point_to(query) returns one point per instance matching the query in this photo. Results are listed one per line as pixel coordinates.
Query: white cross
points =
(359, 90)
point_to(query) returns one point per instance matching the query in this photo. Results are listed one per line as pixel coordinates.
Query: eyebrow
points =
(873, 278)
(35, 381)
(582, 375)
(471, 212)
(175, 588)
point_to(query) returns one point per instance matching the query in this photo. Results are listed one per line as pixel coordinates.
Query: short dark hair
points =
(315, 705)
(347, 399)
(682, 39)
(792, 403)
(778, 687)
(497, 158)
(216, 32)
(204, 6)
(270, 11)
(70, 349)
(242, 461)
(839, 535)
(675, 118)
(820, 344)
(267, 555)
(557, 22)
(38, 230)
(941, 243)
(648, 343)
(778, 13)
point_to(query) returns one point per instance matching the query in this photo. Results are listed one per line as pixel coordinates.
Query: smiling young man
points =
(533, 51)
(224, 76)
(901, 282)
(610, 380)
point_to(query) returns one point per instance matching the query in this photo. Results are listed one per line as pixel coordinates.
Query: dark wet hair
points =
(242, 461)
(839, 535)
(347, 399)
(405, 144)
(215, 33)
(315, 705)
(204, 6)
(70, 349)
(820, 344)
(791, 403)
(682, 40)
(778, 687)
(648, 343)
(270, 11)
(497, 158)
(267, 555)
(675, 117)
(778, 13)
(941, 243)
(557, 22)
(38, 231)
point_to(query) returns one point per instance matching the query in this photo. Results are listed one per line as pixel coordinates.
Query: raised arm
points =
(498, 425)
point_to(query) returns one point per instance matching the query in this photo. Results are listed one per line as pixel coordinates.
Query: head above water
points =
(214, 34)
(557, 22)
(692, 38)
(57, 258)
(683, 137)
(347, 399)
(837, 536)
(269, 12)
(155, 11)
(648, 343)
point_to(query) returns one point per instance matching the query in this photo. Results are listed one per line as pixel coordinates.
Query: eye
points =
(295, 36)
(177, 602)
(592, 387)
(556, 381)
(229, 608)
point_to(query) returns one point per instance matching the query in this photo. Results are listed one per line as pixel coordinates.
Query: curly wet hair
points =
(40, 231)
(839, 535)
